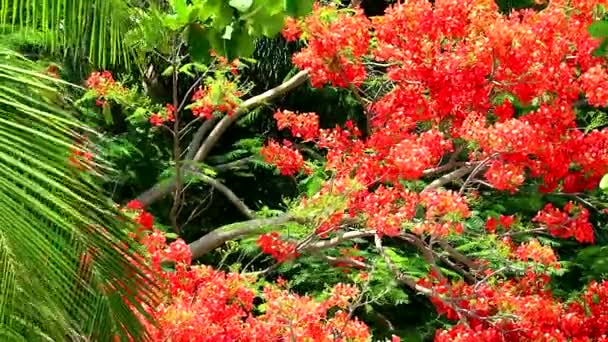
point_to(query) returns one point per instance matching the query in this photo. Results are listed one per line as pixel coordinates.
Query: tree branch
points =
(241, 206)
(198, 137)
(426, 250)
(255, 101)
(324, 244)
(335, 261)
(463, 259)
(221, 235)
(410, 282)
(161, 189)
(233, 165)
(447, 178)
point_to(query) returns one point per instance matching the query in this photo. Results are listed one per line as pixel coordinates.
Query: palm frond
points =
(88, 30)
(65, 272)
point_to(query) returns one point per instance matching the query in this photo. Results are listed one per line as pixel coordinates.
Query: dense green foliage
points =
(159, 51)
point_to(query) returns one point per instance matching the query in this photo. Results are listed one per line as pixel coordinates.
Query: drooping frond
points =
(88, 30)
(65, 272)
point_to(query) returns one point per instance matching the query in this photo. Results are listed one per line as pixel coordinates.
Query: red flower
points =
(146, 220)
(491, 225)
(135, 205)
(287, 160)
(156, 120)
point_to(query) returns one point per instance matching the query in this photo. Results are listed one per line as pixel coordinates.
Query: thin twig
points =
(177, 198)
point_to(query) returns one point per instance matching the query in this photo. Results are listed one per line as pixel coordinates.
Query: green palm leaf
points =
(65, 272)
(87, 30)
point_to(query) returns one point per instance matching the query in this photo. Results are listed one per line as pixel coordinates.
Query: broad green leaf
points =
(604, 182)
(241, 5)
(246, 45)
(107, 114)
(220, 12)
(228, 32)
(198, 43)
(264, 23)
(168, 71)
(181, 9)
(598, 29)
(602, 49)
(298, 8)
(271, 7)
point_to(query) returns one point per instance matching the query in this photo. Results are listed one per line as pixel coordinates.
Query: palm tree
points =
(65, 275)
(86, 30)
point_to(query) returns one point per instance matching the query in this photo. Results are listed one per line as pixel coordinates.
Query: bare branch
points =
(324, 244)
(475, 171)
(189, 92)
(461, 258)
(243, 208)
(427, 251)
(439, 169)
(445, 179)
(219, 236)
(233, 165)
(335, 261)
(177, 197)
(198, 137)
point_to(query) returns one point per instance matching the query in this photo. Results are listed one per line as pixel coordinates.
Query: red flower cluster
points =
(520, 310)
(304, 125)
(223, 63)
(594, 83)
(207, 100)
(272, 244)
(502, 89)
(158, 119)
(103, 84)
(286, 159)
(336, 42)
(203, 304)
(386, 209)
(572, 222)
(504, 221)
(533, 250)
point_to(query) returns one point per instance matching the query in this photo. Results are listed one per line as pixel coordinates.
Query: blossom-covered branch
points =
(161, 189)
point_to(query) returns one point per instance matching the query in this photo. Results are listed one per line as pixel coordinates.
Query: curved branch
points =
(324, 244)
(241, 206)
(255, 101)
(463, 259)
(161, 189)
(233, 165)
(219, 236)
(198, 137)
(410, 282)
(447, 178)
